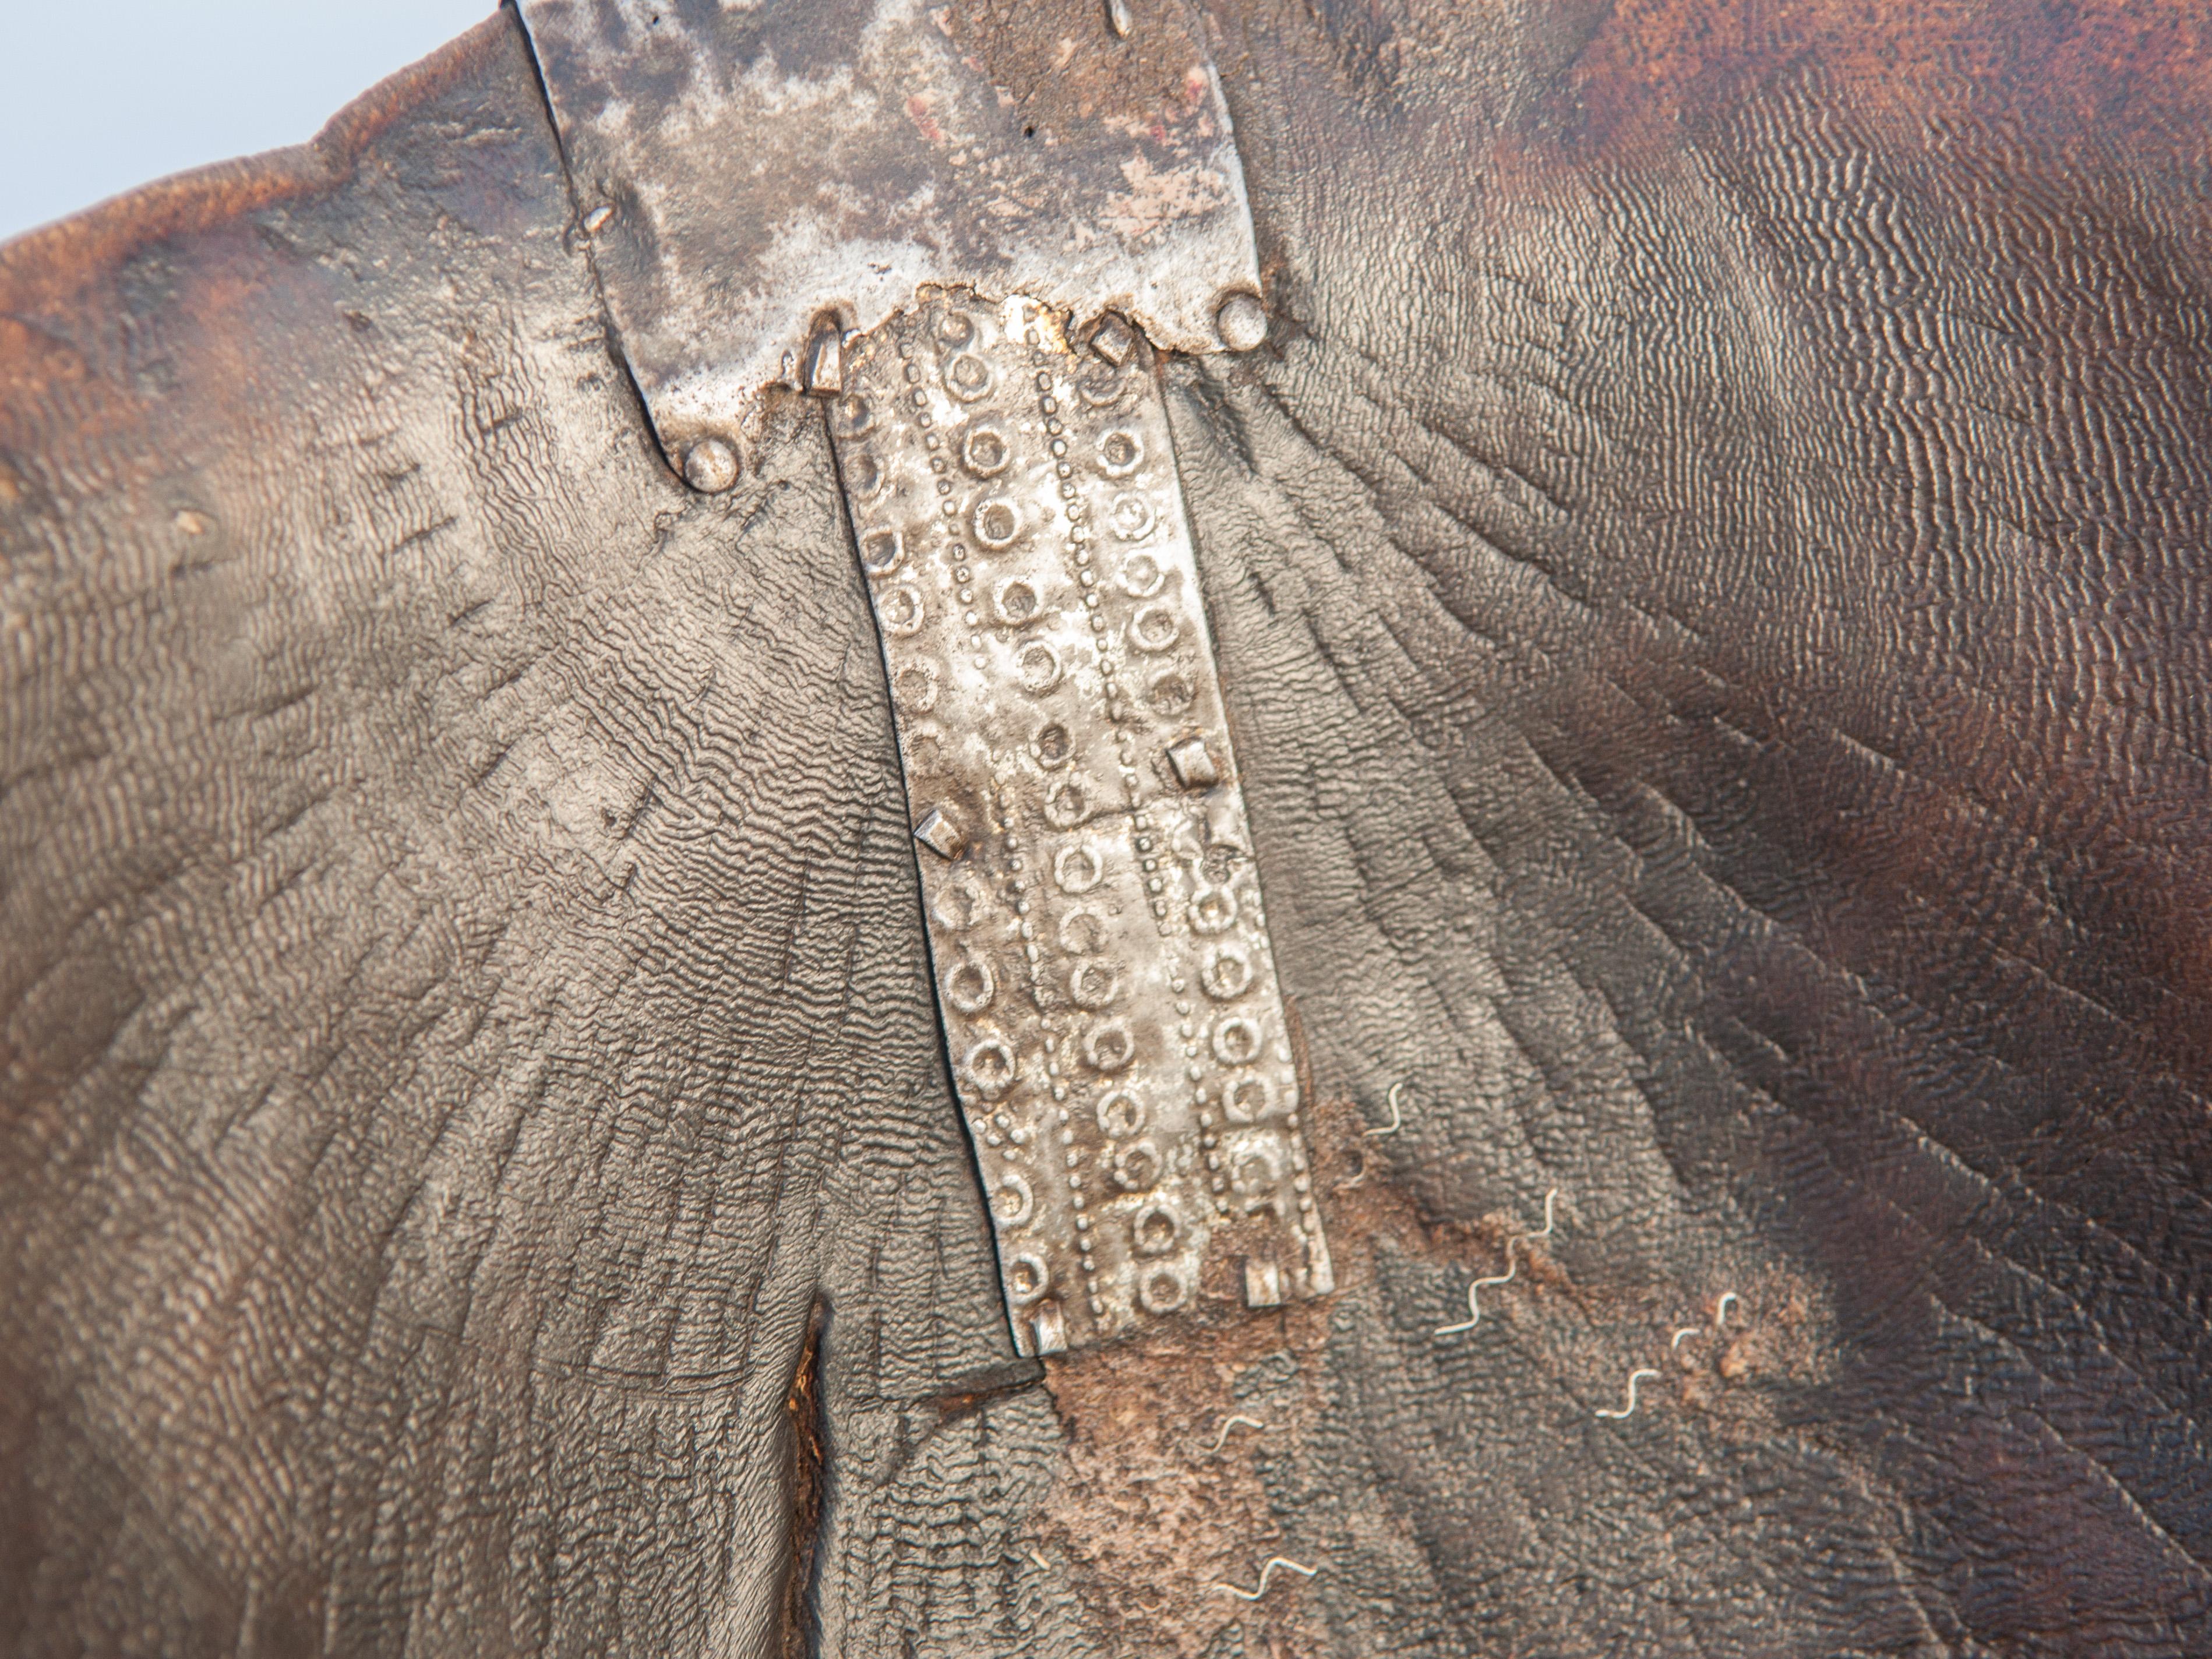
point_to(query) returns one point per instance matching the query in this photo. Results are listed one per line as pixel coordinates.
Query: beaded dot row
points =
(1078, 1199)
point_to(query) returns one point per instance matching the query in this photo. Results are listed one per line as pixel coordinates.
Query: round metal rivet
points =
(1242, 321)
(710, 466)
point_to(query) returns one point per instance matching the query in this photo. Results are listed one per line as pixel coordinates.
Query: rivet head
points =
(826, 364)
(938, 832)
(1114, 339)
(1263, 1283)
(710, 466)
(1194, 763)
(1242, 321)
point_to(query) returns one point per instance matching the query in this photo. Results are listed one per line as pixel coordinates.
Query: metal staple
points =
(1397, 1117)
(1629, 1409)
(1473, 1305)
(1260, 1589)
(1237, 1421)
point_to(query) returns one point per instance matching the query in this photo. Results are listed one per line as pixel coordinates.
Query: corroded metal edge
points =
(1096, 923)
(743, 170)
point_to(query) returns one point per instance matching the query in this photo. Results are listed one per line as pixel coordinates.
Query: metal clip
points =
(1260, 1589)
(1634, 1377)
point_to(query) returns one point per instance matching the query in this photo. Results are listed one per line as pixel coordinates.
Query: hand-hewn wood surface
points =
(1712, 575)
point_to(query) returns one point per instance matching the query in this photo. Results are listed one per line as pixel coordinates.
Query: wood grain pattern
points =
(1710, 579)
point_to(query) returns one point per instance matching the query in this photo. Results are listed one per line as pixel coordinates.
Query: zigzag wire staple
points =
(1397, 1118)
(1473, 1306)
(1729, 1299)
(1397, 1123)
(1260, 1589)
(1720, 1319)
(1629, 1409)
(1238, 1421)
(1545, 1232)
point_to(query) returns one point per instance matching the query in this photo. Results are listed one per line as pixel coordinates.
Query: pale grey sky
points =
(96, 98)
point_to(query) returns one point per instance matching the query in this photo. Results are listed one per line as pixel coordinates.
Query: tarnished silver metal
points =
(970, 229)
(741, 169)
(826, 364)
(1098, 938)
(710, 465)
(1242, 322)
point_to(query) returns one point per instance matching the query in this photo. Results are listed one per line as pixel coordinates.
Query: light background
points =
(99, 95)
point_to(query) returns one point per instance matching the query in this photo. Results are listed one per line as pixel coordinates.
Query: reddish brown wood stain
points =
(2104, 73)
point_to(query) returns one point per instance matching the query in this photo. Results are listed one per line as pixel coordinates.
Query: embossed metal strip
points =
(1095, 922)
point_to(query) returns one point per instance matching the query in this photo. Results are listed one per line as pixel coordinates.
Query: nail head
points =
(1242, 321)
(710, 466)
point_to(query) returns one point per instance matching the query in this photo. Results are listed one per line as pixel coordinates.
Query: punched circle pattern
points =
(1103, 965)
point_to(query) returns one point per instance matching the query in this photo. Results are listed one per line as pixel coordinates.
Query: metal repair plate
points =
(1095, 917)
(740, 168)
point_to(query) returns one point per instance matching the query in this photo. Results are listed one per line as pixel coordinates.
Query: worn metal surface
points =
(1100, 949)
(739, 170)
(761, 186)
